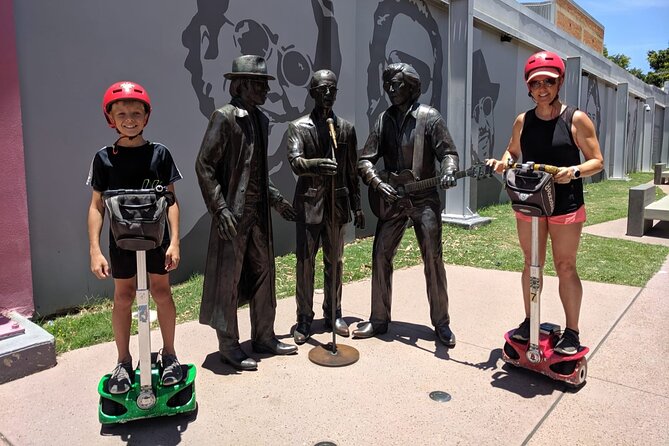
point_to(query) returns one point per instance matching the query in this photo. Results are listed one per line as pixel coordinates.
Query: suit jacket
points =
(308, 138)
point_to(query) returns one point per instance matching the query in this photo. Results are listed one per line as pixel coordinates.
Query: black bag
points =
(137, 217)
(531, 192)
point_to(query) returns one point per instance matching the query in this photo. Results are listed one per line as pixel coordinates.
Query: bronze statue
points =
(232, 172)
(310, 146)
(411, 139)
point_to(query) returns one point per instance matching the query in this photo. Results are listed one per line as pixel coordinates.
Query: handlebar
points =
(531, 166)
(158, 190)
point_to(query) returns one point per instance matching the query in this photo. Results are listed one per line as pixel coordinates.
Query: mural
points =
(394, 21)
(484, 99)
(593, 106)
(632, 140)
(222, 30)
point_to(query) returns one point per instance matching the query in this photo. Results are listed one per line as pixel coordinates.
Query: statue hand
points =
(286, 210)
(359, 221)
(448, 179)
(227, 224)
(387, 192)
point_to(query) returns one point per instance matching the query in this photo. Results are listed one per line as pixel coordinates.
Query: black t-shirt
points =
(551, 142)
(144, 167)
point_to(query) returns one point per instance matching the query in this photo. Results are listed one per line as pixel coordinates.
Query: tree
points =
(621, 60)
(659, 63)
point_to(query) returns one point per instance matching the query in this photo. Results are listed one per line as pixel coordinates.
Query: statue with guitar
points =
(419, 156)
(407, 183)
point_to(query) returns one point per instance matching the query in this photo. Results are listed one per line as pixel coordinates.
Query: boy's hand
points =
(172, 258)
(100, 266)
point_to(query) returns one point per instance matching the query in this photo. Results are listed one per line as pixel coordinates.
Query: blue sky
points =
(632, 27)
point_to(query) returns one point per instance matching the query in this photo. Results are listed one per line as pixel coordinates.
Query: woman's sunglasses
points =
(547, 82)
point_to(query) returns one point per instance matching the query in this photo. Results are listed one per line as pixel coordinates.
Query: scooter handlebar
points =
(158, 191)
(531, 165)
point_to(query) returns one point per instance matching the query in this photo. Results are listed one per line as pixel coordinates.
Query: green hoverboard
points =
(147, 397)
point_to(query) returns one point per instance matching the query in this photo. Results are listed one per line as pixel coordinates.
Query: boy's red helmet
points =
(545, 60)
(125, 90)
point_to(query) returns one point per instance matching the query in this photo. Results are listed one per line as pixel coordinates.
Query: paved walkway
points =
(383, 399)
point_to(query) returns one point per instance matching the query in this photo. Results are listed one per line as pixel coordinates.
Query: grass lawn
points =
(493, 246)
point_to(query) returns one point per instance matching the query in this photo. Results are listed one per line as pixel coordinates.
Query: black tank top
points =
(551, 142)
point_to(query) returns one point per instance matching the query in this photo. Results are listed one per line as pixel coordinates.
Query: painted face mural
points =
(484, 98)
(404, 31)
(592, 105)
(221, 30)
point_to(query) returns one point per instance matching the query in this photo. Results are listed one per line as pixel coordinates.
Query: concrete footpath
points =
(383, 399)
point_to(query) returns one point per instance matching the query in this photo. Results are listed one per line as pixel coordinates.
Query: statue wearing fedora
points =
(232, 172)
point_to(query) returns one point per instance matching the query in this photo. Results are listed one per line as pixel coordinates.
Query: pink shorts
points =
(577, 216)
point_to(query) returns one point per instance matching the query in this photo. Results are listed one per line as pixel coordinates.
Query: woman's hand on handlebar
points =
(564, 175)
(497, 165)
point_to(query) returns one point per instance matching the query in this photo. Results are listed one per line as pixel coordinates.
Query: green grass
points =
(493, 246)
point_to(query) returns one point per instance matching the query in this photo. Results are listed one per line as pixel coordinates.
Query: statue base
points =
(323, 355)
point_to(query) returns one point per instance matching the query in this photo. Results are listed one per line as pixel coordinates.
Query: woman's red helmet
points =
(543, 63)
(121, 91)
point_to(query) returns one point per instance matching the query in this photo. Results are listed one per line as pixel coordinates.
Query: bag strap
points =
(419, 137)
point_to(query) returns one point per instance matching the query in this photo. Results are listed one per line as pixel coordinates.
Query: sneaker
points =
(172, 373)
(522, 333)
(120, 381)
(568, 344)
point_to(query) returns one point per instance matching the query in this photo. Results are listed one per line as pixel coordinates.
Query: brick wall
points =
(572, 19)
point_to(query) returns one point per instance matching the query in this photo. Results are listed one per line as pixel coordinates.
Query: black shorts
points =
(124, 262)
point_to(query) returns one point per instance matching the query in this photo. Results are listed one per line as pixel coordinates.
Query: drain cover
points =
(325, 443)
(439, 396)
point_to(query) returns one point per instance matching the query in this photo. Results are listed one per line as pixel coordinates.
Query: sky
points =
(632, 27)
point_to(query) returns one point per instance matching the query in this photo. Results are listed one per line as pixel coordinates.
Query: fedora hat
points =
(482, 87)
(249, 66)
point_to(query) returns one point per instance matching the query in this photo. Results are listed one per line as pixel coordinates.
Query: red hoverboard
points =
(530, 187)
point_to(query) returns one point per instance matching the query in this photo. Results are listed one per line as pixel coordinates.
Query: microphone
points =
(331, 129)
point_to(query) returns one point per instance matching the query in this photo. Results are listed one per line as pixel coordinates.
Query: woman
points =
(557, 134)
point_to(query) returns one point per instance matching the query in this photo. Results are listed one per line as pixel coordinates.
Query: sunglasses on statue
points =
(547, 82)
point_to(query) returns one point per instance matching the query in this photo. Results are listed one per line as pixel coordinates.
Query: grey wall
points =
(69, 52)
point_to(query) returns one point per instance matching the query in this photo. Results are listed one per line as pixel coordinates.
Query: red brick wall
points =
(571, 19)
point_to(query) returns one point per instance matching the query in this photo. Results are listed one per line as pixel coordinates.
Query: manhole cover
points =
(440, 396)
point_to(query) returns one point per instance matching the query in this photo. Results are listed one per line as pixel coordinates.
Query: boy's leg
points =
(124, 296)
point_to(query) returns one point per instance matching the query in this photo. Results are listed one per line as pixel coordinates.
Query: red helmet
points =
(125, 90)
(544, 59)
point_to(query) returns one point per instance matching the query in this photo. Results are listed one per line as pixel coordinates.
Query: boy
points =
(134, 163)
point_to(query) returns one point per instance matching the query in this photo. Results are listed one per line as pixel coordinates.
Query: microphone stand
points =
(330, 355)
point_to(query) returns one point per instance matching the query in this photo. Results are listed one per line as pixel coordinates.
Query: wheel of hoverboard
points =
(582, 375)
(511, 352)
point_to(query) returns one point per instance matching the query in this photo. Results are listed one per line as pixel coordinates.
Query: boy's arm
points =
(96, 214)
(172, 255)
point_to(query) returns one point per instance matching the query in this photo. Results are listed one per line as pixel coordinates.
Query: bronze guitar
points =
(406, 183)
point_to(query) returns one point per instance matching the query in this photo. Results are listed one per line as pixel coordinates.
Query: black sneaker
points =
(568, 344)
(120, 381)
(172, 373)
(522, 333)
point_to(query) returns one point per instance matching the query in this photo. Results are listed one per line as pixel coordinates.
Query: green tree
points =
(621, 60)
(659, 64)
